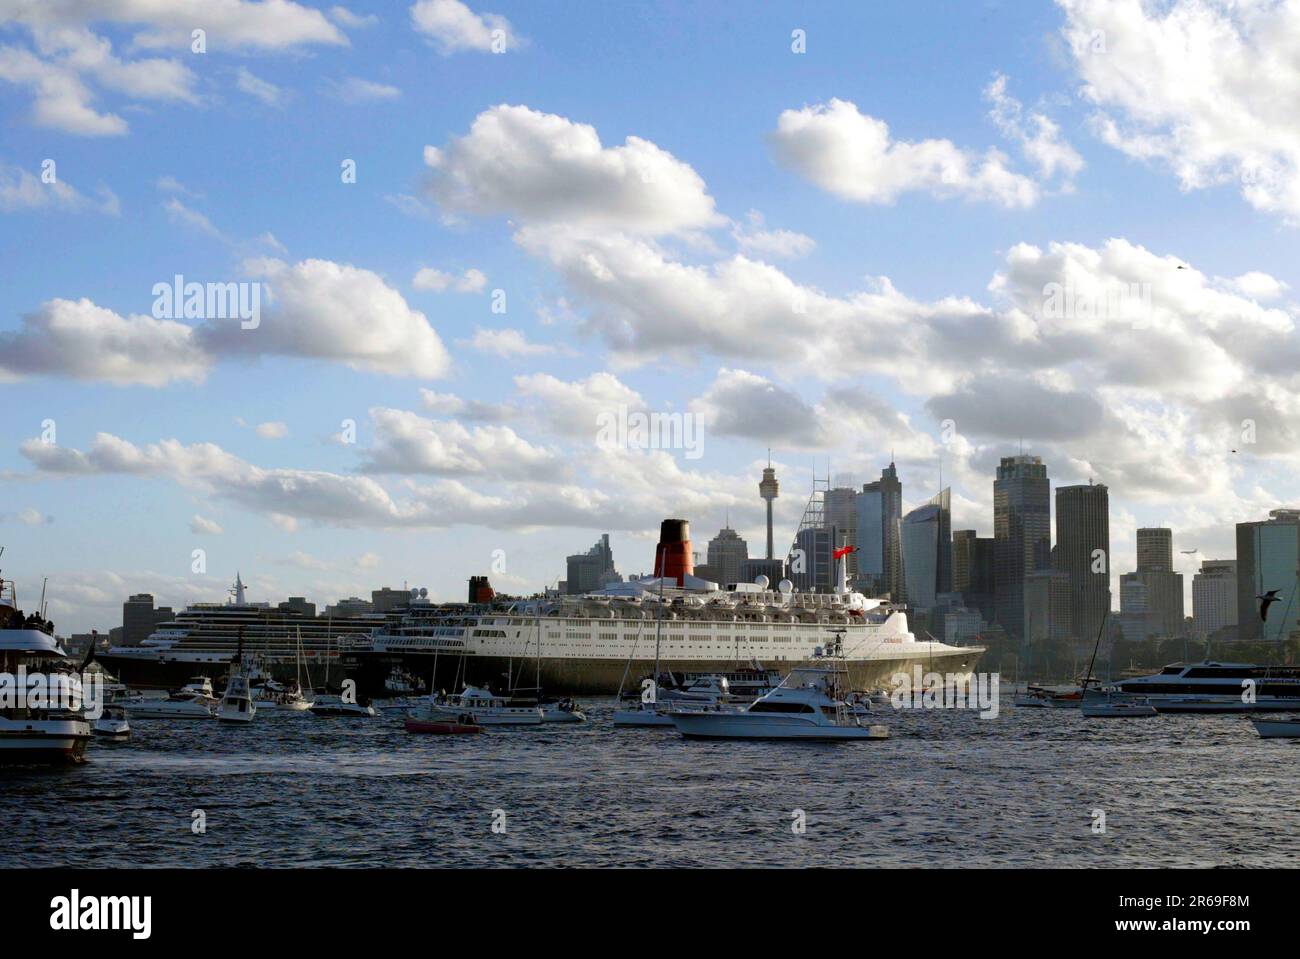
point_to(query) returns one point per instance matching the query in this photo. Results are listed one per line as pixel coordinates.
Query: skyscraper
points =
(879, 515)
(591, 570)
(1047, 606)
(942, 501)
(1155, 550)
(842, 513)
(727, 551)
(1083, 554)
(972, 571)
(1022, 534)
(1268, 558)
(920, 546)
(1214, 597)
(1164, 587)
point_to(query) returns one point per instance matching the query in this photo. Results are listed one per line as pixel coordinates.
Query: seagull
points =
(1264, 602)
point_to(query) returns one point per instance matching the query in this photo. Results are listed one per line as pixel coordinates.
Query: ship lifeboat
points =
(461, 725)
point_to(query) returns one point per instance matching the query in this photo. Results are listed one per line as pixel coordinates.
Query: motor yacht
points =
(333, 706)
(487, 708)
(32, 735)
(1109, 704)
(179, 705)
(808, 705)
(1215, 687)
(237, 705)
(1270, 727)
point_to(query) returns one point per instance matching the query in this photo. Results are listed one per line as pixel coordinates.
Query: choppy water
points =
(949, 789)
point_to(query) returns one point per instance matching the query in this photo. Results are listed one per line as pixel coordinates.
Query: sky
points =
(479, 233)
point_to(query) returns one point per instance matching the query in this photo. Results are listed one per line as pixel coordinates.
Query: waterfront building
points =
(591, 570)
(1164, 587)
(972, 571)
(140, 618)
(1214, 597)
(1047, 607)
(1022, 534)
(726, 553)
(1268, 558)
(1083, 553)
(879, 510)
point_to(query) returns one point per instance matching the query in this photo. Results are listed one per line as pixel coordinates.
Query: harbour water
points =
(948, 789)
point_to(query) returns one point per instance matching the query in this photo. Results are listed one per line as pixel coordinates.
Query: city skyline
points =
(938, 268)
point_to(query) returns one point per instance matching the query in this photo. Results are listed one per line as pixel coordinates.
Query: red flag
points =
(844, 551)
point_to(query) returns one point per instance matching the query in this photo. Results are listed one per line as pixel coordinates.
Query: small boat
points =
(237, 705)
(199, 686)
(486, 707)
(1276, 728)
(278, 699)
(808, 706)
(176, 706)
(554, 710)
(338, 707)
(112, 724)
(643, 714)
(1112, 705)
(459, 725)
(1049, 697)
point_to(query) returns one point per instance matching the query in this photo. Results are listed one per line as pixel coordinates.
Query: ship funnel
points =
(673, 554)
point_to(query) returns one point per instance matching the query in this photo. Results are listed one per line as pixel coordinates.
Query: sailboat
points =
(649, 711)
(1108, 703)
(281, 700)
(335, 705)
(554, 710)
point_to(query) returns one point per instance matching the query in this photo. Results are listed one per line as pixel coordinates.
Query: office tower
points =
(1022, 534)
(1047, 606)
(813, 567)
(300, 605)
(756, 566)
(842, 513)
(591, 570)
(727, 551)
(388, 598)
(1136, 620)
(972, 571)
(769, 489)
(1155, 550)
(920, 545)
(140, 619)
(942, 501)
(1164, 587)
(1083, 554)
(1268, 558)
(879, 510)
(1214, 597)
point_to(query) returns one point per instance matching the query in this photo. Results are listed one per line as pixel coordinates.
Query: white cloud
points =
(571, 408)
(454, 27)
(368, 560)
(272, 430)
(255, 86)
(782, 244)
(408, 443)
(32, 517)
(1259, 286)
(356, 90)
(353, 21)
(471, 281)
(23, 190)
(202, 526)
(449, 404)
(506, 343)
(853, 156)
(77, 339)
(333, 311)
(544, 168)
(1206, 87)
(1039, 136)
(182, 215)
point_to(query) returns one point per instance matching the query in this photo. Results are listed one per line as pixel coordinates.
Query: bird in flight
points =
(1265, 601)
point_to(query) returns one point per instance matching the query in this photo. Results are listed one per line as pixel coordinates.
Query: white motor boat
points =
(806, 706)
(487, 708)
(112, 724)
(554, 710)
(337, 707)
(237, 705)
(1112, 705)
(1271, 728)
(31, 734)
(643, 714)
(176, 706)
(199, 686)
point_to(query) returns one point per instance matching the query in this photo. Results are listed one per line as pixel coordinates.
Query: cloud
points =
(448, 404)
(408, 443)
(571, 409)
(546, 169)
(346, 18)
(79, 340)
(782, 244)
(471, 281)
(453, 27)
(1259, 286)
(853, 156)
(314, 309)
(333, 311)
(273, 430)
(1039, 137)
(182, 215)
(202, 526)
(23, 190)
(506, 343)
(1206, 88)
(254, 86)
(356, 90)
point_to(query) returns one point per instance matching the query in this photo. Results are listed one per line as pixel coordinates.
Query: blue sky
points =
(659, 290)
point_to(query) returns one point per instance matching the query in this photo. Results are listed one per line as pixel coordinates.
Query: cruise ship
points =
(204, 639)
(604, 641)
